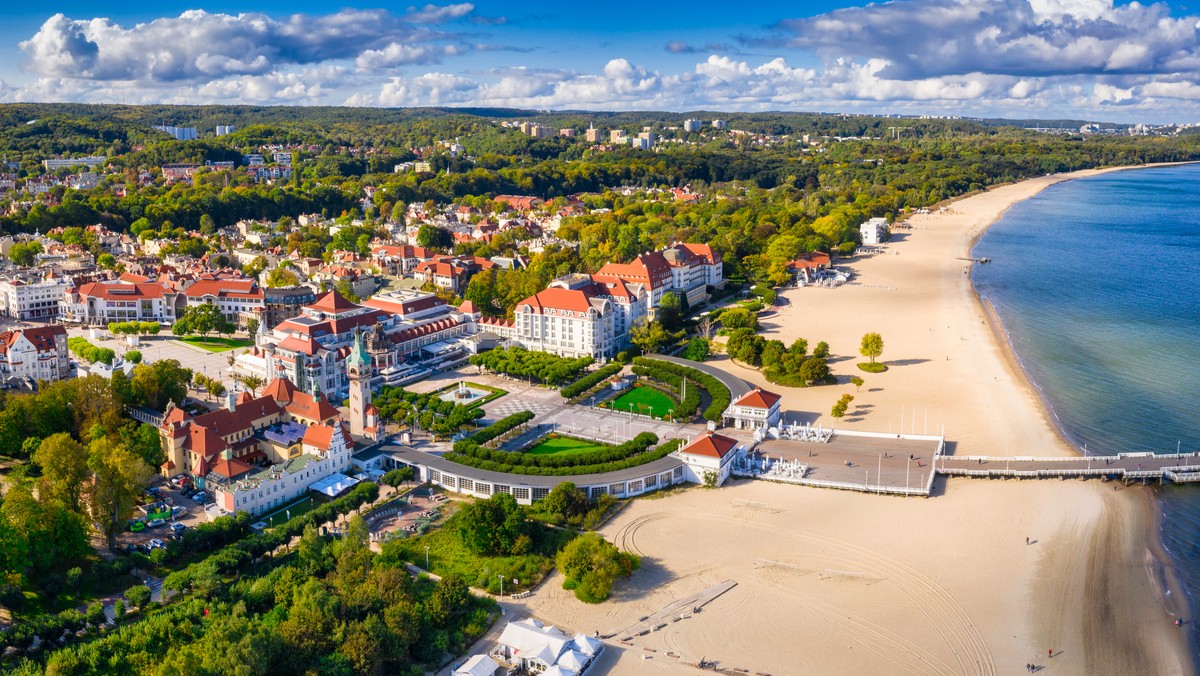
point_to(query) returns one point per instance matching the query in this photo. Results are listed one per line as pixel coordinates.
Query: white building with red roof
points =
(232, 296)
(38, 353)
(687, 269)
(708, 459)
(756, 409)
(577, 316)
(98, 303)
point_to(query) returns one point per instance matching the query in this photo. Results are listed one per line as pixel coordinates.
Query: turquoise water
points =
(1097, 283)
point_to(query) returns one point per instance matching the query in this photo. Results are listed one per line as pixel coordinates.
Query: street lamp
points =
(426, 557)
(501, 585)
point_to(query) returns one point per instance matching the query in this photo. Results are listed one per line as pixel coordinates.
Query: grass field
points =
(305, 504)
(216, 344)
(644, 400)
(554, 445)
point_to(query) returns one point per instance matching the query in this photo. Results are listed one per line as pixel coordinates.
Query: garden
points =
(216, 343)
(559, 444)
(645, 400)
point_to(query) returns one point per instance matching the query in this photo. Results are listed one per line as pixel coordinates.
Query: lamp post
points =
(501, 585)
(426, 557)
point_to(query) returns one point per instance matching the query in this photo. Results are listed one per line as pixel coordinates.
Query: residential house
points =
(38, 353)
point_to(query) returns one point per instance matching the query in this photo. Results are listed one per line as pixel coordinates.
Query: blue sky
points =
(1091, 59)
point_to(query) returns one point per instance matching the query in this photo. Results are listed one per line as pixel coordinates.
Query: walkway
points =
(737, 386)
(1176, 467)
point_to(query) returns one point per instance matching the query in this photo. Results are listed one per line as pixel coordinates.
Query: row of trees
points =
(784, 365)
(202, 319)
(87, 351)
(542, 366)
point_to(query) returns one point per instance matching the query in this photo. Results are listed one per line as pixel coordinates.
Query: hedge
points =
(590, 380)
(715, 388)
(633, 461)
(81, 348)
(638, 444)
(687, 407)
(494, 430)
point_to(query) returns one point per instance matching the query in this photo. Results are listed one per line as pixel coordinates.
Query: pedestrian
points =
(1050, 653)
(1026, 539)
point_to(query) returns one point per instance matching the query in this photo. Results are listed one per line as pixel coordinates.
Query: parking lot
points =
(195, 515)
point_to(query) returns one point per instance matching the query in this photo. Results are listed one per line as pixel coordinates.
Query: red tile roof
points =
(306, 346)
(225, 288)
(333, 303)
(710, 444)
(757, 398)
(574, 300)
(120, 291)
(321, 436)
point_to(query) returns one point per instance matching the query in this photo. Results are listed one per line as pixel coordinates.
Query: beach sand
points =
(830, 582)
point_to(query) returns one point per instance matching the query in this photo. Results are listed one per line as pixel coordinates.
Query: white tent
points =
(587, 645)
(572, 661)
(558, 671)
(478, 665)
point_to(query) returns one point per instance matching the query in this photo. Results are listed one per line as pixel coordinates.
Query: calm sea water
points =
(1097, 283)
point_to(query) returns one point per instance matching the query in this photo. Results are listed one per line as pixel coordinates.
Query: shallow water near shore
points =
(1096, 282)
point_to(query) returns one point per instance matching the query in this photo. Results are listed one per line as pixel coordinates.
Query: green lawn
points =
(552, 445)
(216, 343)
(304, 504)
(650, 397)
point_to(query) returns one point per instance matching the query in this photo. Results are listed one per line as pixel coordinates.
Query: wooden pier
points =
(1179, 468)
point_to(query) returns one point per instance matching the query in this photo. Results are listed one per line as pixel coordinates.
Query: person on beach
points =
(1050, 653)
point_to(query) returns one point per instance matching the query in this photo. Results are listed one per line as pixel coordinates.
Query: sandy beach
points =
(831, 582)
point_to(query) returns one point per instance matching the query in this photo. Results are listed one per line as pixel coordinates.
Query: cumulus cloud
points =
(933, 38)
(198, 45)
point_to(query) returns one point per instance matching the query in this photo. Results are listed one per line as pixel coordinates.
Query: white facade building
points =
(874, 231)
(38, 354)
(691, 125)
(32, 300)
(99, 303)
(754, 410)
(325, 450)
(710, 454)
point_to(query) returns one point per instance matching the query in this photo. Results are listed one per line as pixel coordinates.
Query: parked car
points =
(155, 523)
(177, 512)
(201, 497)
(137, 526)
(178, 527)
(157, 544)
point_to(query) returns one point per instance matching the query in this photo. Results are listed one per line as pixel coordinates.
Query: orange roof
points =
(757, 398)
(306, 346)
(321, 436)
(225, 288)
(230, 469)
(118, 291)
(710, 444)
(334, 303)
(558, 298)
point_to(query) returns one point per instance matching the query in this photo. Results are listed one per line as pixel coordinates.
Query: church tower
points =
(358, 368)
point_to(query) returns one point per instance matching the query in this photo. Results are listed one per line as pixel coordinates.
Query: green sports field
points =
(644, 400)
(215, 344)
(552, 445)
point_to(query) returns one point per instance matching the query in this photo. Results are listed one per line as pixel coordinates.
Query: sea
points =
(1096, 282)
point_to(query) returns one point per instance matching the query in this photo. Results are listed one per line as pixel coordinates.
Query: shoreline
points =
(1171, 594)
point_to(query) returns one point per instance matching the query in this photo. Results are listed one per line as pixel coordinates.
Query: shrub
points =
(873, 366)
(591, 380)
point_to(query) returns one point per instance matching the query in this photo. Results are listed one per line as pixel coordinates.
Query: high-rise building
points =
(225, 129)
(691, 125)
(180, 133)
(594, 135)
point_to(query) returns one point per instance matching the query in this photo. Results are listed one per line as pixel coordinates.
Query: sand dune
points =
(834, 583)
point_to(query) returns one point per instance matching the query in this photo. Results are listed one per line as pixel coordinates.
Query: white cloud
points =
(930, 38)
(198, 45)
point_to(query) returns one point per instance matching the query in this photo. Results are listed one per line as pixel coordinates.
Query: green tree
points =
(107, 261)
(133, 357)
(255, 267)
(670, 311)
(64, 464)
(493, 527)
(153, 385)
(450, 600)
(119, 477)
(592, 564)
(203, 319)
(872, 346)
(434, 237)
(650, 336)
(814, 370)
(24, 254)
(857, 382)
(281, 278)
(252, 326)
(251, 383)
(738, 318)
(138, 595)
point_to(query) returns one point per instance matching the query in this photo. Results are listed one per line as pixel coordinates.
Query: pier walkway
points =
(1177, 468)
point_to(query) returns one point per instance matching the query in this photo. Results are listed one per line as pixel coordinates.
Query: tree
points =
(251, 383)
(119, 478)
(203, 319)
(346, 290)
(857, 382)
(133, 357)
(144, 441)
(64, 464)
(493, 527)
(311, 551)
(252, 326)
(207, 225)
(704, 327)
(450, 600)
(670, 311)
(138, 595)
(433, 237)
(397, 476)
(650, 336)
(24, 254)
(106, 261)
(154, 384)
(872, 346)
(565, 501)
(255, 267)
(697, 349)
(592, 564)
(281, 277)
(813, 370)
(839, 409)
(738, 318)
(821, 351)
